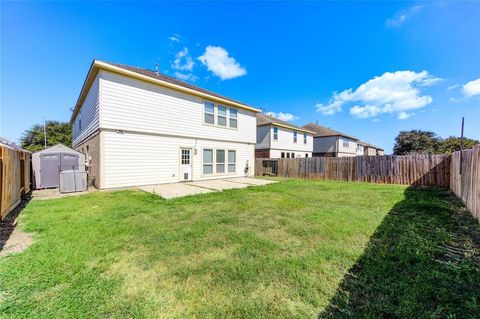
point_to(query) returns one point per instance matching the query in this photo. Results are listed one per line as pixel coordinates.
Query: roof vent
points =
(156, 68)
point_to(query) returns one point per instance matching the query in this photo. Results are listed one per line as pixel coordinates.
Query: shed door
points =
(186, 164)
(69, 161)
(49, 170)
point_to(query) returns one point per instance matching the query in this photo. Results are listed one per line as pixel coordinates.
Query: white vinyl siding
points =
(287, 142)
(133, 105)
(88, 115)
(143, 159)
(347, 146)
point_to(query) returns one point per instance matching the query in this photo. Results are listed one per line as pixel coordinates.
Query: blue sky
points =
(369, 69)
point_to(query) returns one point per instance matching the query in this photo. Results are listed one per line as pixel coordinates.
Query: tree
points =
(452, 144)
(425, 142)
(57, 132)
(416, 142)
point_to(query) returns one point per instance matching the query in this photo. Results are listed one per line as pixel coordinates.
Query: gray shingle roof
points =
(264, 119)
(369, 145)
(326, 131)
(171, 80)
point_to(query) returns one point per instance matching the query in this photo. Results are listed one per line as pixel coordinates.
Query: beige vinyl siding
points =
(89, 115)
(133, 105)
(132, 159)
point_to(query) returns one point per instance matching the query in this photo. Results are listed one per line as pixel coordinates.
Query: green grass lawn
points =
(299, 249)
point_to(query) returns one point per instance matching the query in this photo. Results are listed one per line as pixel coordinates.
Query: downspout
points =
(337, 145)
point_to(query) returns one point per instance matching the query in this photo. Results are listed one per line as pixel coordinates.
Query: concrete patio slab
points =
(53, 193)
(168, 191)
(218, 184)
(250, 181)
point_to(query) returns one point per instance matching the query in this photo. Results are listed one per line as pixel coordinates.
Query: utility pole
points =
(44, 132)
(461, 145)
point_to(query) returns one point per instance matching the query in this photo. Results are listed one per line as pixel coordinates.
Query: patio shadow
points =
(423, 261)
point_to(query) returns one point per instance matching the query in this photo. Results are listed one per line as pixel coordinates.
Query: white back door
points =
(185, 164)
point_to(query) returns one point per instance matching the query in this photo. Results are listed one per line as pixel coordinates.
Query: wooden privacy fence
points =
(14, 178)
(465, 178)
(420, 170)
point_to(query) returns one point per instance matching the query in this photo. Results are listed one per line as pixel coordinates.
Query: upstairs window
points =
(215, 114)
(304, 138)
(209, 113)
(275, 133)
(294, 136)
(79, 121)
(222, 115)
(345, 143)
(233, 118)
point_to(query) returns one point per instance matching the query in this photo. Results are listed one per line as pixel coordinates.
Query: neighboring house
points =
(371, 150)
(280, 139)
(330, 143)
(138, 127)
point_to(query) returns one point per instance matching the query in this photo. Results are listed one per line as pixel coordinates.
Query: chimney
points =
(156, 68)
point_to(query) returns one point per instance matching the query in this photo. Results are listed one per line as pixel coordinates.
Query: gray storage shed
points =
(48, 163)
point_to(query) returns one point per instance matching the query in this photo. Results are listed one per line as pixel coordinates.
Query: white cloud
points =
(283, 116)
(186, 76)
(404, 115)
(365, 111)
(218, 61)
(401, 16)
(451, 87)
(183, 61)
(174, 38)
(389, 93)
(471, 88)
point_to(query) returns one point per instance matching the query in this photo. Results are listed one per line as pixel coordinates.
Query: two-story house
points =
(370, 150)
(281, 139)
(330, 143)
(139, 127)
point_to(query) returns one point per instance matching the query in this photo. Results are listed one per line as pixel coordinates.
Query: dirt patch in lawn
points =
(12, 239)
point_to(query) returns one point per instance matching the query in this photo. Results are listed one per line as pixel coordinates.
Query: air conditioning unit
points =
(73, 181)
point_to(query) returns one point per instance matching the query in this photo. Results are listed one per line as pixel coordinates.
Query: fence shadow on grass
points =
(8, 225)
(423, 261)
